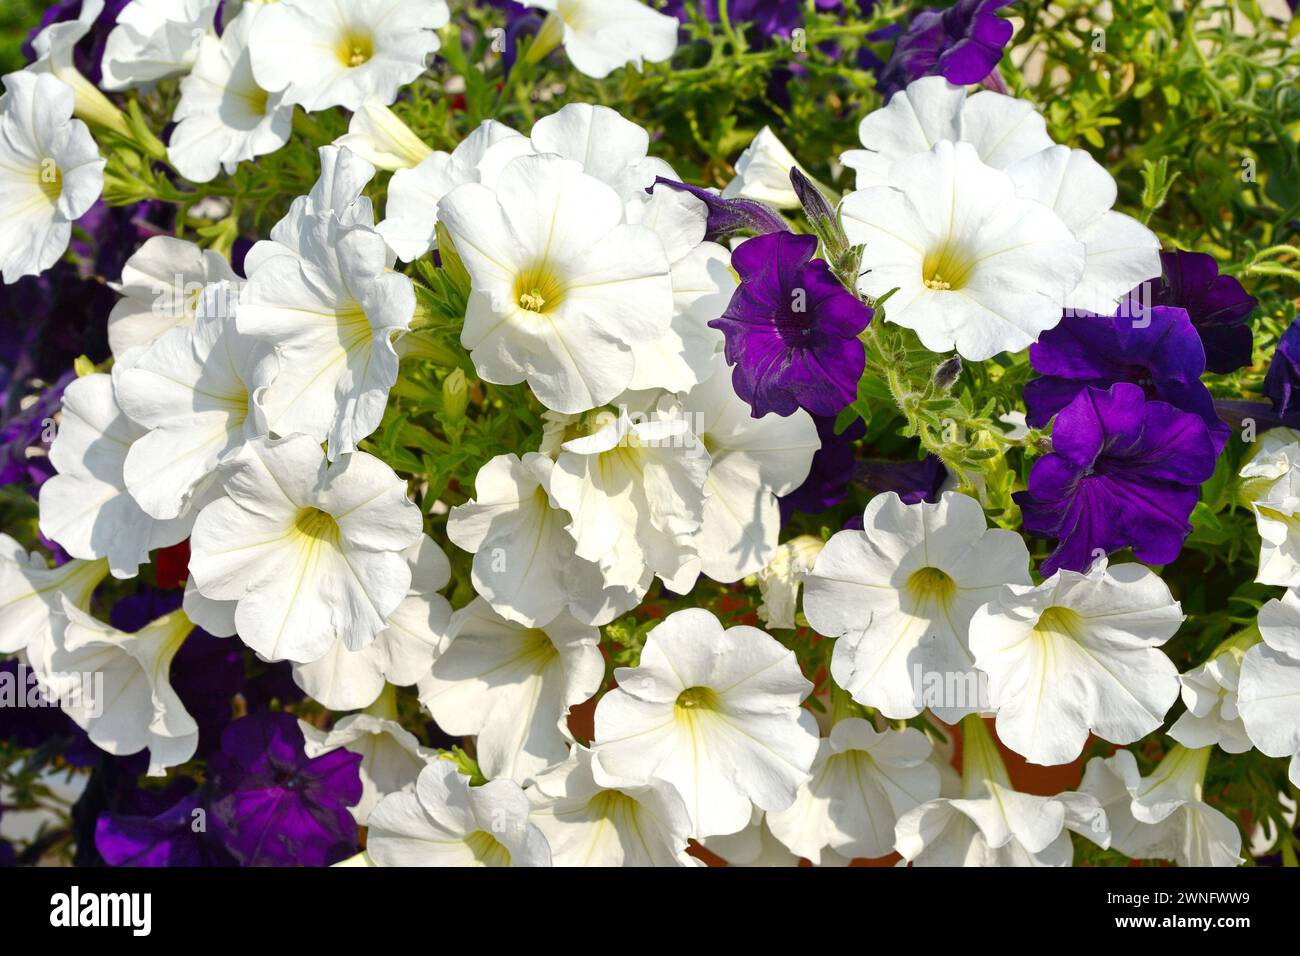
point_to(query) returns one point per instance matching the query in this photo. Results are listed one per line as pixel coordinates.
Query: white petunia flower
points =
(323, 55)
(31, 592)
(55, 47)
(391, 756)
(378, 135)
(312, 551)
(561, 286)
(194, 390)
(991, 824)
(446, 822)
(224, 118)
(51, 173)
(763, 172)
(977, 267)
(600, 36)
(900, 595)
(714, 713)
(1163, 816)
(512, 686)
(753, 461)
(161, 287)
(1078, 653)
(525, 564)
(1268, 692)
(155, 40)
(1213, 715)
(1009, 135)
(86, 507)
(1271, 485)
(135, 707)
(635, 491)
(413, 194)
(780, 581)
(588, 824)
(332, 314)
(615, 151)
(338, 190)
(401, 654)
(862, 781)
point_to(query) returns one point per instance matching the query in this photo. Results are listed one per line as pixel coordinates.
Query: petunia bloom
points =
(1159, 351)
(977, 266)
(512, 687)
(562, 286)
(155, 40)
(273, 805)
(1010, 136)
(862, 782)
(311, 551)
(224, 117)
(713, 712)
(791, 329)
(1123, 472)
(962, 43)
(899, 596)
(1163, 816)
(337, 55)
(51, 173)
(1217, 304)
(446, 822)
(600, 36)
(1078, 653)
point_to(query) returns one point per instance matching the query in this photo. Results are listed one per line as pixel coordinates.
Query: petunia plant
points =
(650, 433)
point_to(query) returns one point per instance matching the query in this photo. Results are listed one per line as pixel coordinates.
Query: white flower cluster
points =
(237, 408)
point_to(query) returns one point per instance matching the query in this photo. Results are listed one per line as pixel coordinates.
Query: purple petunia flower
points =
(1217, 305)
(169, 838)
(792, 329)
(1160, 352)
(1123, 472)
(272, 805)
(1282, 383)
(833, 466)
(963, 43)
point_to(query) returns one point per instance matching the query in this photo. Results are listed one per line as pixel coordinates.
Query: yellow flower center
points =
(355, 49)
(317, 525)
(50, 179)
(487, 849)
(538, 290)
(946, 269)
(698, 698)
(1062, 621)
(931, 584)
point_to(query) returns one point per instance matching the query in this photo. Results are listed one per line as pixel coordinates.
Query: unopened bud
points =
(946, 374)
(455, 397)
